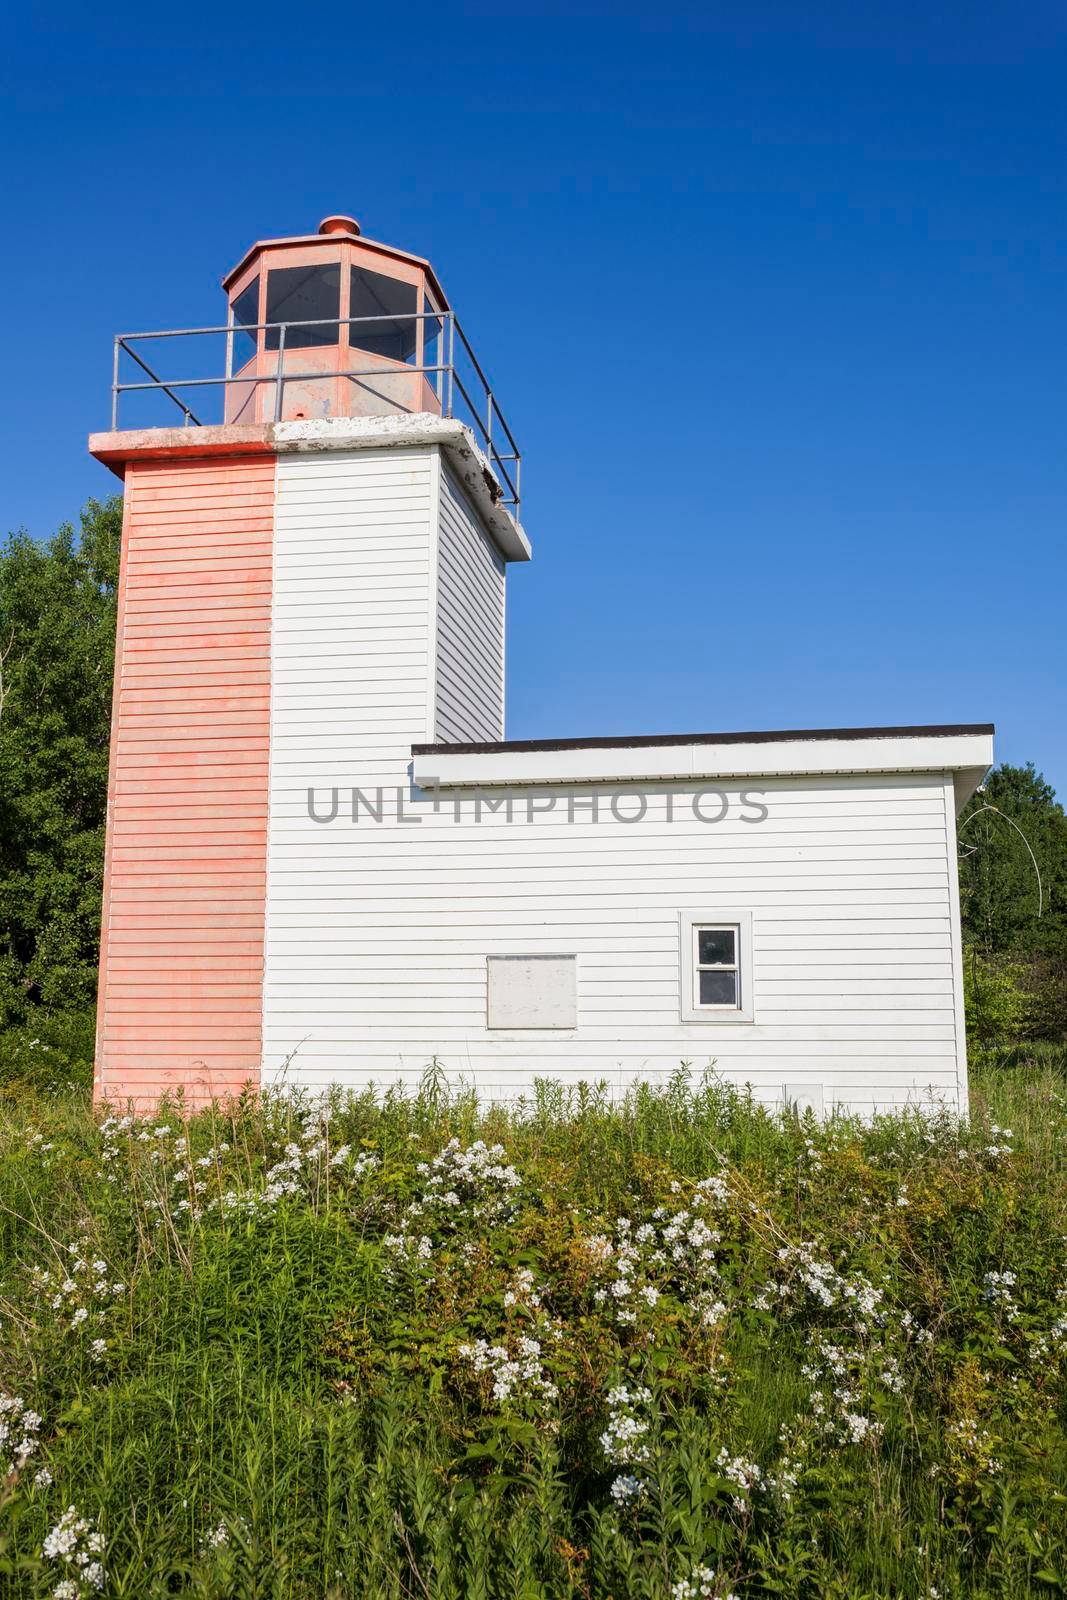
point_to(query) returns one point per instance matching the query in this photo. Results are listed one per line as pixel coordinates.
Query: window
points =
(374, 295)
(716, 976)
(304, 294)
(532, 991)
(245, 317)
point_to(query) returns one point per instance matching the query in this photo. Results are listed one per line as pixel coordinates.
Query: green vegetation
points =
(349, 1351)
(1013, 893)
(57, 647)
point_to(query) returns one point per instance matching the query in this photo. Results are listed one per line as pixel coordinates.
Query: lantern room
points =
(332, 325)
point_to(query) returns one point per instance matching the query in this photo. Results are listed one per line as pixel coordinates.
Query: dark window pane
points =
(716, 947)
(303, 294)
(718, 988)
(245, 315)
(374, 295)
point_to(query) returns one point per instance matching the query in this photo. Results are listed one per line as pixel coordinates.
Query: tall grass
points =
(413, 1348)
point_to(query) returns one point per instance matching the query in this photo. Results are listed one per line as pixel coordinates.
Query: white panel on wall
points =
(532, 991)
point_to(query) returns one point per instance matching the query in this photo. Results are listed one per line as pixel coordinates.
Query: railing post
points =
(115, 386)
(489, 423)
(451, 357)
(279, 381)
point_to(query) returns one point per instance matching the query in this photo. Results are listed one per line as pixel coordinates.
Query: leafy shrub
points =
(54, 1051)
(996, 998)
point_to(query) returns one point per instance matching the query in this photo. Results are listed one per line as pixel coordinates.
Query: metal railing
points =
(452, 377)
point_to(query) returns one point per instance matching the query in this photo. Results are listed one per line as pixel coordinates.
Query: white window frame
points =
(690, 924)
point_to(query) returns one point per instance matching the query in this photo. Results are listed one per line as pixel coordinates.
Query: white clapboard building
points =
(324, 857)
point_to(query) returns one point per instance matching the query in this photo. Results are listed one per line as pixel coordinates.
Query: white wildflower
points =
(998, 1292)
(699, 1584)
(521, 1371)
(19, 1431)
(624, 1440)
(77, 1545)
(626, 1489)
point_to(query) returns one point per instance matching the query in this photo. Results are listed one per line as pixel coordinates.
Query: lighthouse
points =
(309, 584)
(327, 864)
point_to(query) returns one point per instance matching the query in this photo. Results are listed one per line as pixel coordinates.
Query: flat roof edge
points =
(653, 740)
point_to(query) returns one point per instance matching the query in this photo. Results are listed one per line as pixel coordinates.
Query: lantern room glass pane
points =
(374, 295)
(304, 294)
(433, 345)
(245, 316)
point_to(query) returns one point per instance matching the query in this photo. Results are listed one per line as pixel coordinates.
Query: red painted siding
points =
(181, 964)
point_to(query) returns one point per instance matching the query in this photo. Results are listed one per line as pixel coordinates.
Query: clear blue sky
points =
(774, 297)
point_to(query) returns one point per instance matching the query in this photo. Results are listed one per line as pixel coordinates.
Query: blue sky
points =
(774, 299)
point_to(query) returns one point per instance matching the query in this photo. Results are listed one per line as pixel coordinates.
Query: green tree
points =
(998, 876)
(57, 646)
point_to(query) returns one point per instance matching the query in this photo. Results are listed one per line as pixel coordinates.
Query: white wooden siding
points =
(377, 934)
(470, 623)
